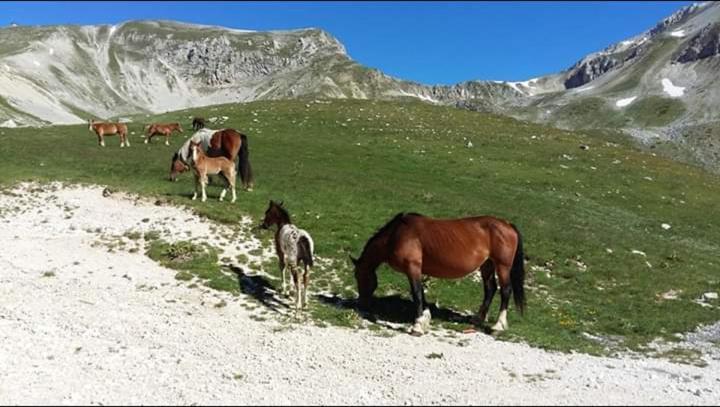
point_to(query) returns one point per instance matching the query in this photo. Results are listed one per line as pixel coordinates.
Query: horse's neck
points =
(376, 251)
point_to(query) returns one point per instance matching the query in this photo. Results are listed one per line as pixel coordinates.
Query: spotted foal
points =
(292, 245)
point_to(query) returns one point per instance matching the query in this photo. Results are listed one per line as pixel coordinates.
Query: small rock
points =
(639, 253)
(710, 296)
(584, 147)
(665, 226)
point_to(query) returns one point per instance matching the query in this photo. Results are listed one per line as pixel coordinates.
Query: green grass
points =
(193, 260)
(589, 113)
(344, 168)
(654, 111)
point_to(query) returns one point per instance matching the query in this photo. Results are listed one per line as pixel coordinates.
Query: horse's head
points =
(273, 214)
(176, 167)
(366, 278)
(90, 124)
(179, 127)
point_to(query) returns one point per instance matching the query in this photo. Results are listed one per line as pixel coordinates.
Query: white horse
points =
(293, 245)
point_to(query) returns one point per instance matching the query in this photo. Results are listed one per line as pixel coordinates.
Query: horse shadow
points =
(259, 288)
(397, 310)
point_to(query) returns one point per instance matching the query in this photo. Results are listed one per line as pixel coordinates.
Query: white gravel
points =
(118, 328)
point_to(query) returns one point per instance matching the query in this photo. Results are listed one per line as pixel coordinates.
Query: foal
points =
(204, 166)
(292, 245)
(162, 128)
(102, 129)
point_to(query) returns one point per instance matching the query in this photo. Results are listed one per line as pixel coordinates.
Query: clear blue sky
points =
(429, 42)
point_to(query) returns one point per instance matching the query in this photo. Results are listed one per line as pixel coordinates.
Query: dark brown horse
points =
(446, 248)
(108, 129)
(228, 143)
(164, 129)
(198, 123)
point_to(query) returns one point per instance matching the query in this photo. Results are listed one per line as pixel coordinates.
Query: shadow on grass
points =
(259, 288)
(398, 310)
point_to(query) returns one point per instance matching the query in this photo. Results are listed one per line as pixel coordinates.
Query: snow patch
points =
(584, 88)
(52, 51)
(672, 90)
(678, 33)
(9, 123)
(36, 63)
(625, 102)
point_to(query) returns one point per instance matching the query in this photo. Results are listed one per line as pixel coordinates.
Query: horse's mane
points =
(284, 212)
(392, 223)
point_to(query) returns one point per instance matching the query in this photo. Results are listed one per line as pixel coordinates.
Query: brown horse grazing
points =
(446, 248)
(162, 128)
(227, 143)
(204, 166)
(292, 245)
(198, 123)
(108, 129)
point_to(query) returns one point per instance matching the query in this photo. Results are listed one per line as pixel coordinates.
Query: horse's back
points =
(449, 247)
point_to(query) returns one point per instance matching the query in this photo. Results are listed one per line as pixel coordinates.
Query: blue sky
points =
(440, 42)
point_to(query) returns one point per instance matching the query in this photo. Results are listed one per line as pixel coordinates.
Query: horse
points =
(226, 142)
(204, 165)
(292, 245)
(198, 123)
(103, 129)
(162, 128)
(417, 245)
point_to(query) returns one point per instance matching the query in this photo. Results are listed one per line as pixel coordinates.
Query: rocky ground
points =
(80, 324)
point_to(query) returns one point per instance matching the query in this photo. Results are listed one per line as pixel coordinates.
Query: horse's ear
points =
(353, 260)
(281, 203)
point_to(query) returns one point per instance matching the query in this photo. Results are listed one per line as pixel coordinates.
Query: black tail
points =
(243, 165)
(517, 274)
(304, 251)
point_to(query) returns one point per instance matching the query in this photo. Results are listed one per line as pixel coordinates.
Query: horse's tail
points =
(243, 165)
(517, 273)
(304, 251)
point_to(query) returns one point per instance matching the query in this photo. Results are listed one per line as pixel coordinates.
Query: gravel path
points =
(80, 325)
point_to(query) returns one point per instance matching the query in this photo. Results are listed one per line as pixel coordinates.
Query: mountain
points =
(661, 86)
(66, 74)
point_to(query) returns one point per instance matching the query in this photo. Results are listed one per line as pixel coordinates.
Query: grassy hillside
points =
(344, 168)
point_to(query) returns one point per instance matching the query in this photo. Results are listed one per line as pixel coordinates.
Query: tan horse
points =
(204, 166)
(108, 129)
(162, 129)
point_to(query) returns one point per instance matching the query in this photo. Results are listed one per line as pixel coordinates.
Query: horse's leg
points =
(489, 286)
(101, 139)
(503, 272)
(231, 181)
(167, 138)
(422, 314)
(197, 182)
(306, 278)
(298, 286)
(203, 183)
(283, 271)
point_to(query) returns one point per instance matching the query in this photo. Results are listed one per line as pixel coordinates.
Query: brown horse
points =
(108, 129)
(446, 248)
(198, 123)
(204, 166)
(164, 129)
(227, 143)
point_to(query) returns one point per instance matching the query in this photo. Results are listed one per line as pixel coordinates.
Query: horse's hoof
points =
(416, 330)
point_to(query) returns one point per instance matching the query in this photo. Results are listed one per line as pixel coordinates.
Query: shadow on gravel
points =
(259, 288)
(398, 310)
